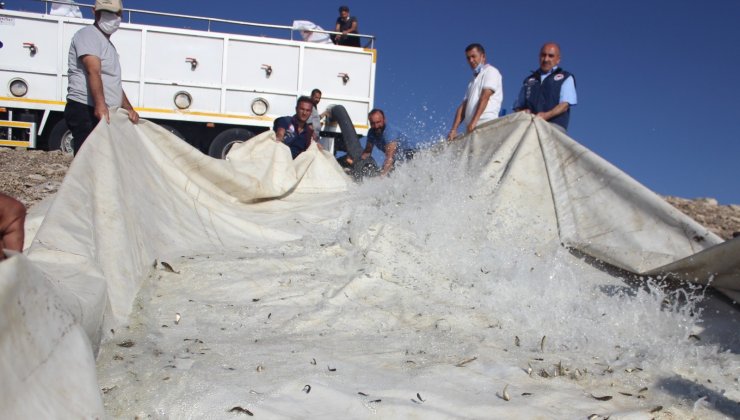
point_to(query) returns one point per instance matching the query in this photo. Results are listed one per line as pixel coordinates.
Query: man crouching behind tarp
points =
(295, 132)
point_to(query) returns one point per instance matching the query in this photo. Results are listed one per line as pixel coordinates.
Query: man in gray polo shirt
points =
(95, 74)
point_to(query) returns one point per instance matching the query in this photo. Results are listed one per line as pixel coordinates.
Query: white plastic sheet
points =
(280, 278)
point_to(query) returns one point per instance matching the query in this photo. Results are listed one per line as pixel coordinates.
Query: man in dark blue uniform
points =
(295, 131)
(549, 92)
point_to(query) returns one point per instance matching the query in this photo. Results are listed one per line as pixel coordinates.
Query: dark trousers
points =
(80, 121)
(348, 41)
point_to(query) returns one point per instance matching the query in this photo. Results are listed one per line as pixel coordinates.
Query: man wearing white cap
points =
(95, 74)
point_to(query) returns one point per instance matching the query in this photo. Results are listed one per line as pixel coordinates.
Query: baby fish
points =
(241, 410)
(465, 362)
(169, 268)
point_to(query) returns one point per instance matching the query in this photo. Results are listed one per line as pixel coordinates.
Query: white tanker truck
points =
(210, 88)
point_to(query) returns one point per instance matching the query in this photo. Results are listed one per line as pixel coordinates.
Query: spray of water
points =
(445, 229)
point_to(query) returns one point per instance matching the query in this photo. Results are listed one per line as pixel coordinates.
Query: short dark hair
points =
(476, 46)
(376, 111)
(343, 9)
(304, 98)
(316, 91)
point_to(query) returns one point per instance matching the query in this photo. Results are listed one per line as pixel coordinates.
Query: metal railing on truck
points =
(129, 13)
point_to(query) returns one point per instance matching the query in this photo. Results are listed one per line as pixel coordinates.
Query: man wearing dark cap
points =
(346, 24)
(95, 74)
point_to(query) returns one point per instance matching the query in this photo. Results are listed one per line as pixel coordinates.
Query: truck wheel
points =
(223, 141)
(60, 138)
(174, 131)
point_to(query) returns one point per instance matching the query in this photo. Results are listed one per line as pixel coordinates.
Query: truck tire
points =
(174, 131)
(222, 143)
(60, 138)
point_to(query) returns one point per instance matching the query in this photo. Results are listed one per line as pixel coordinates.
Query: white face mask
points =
(109, 22)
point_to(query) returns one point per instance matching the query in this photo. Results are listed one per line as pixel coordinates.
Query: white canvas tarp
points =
(397, 297)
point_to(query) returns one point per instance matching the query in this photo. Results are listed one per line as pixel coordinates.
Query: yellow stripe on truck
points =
(213, 114)
(203, 114)
(32, 101)
(167, 111)
(12, 143)
(15, 124)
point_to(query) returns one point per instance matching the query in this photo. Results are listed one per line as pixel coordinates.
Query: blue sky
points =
(656, 89)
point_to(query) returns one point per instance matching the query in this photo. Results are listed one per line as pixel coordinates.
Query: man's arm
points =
(568, 98)
(368, 149)
(485, 95)
(95, 83)
(390, 154)
(132, 114)
(519, 104)
(457, 121)
(280, 134)
(559, 109)
(12, 218)
(337, 28)
(352, 27)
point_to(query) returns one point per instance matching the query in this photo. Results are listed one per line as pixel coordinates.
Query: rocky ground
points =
(31, 175)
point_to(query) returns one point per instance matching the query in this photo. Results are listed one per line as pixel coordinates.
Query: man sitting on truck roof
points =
(95, 74)
(295, 131)
(346, 24)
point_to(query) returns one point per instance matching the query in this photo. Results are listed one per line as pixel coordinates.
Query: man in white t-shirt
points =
(485, 93)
